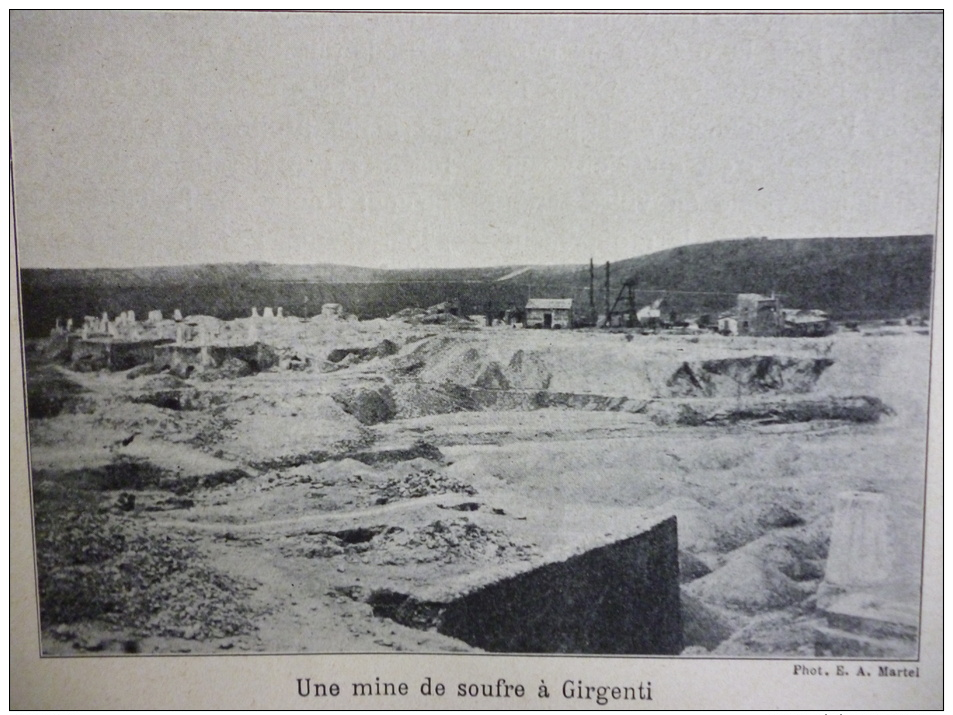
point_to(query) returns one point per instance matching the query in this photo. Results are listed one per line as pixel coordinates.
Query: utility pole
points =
(633, 318)
(608, 309)
(592, 292)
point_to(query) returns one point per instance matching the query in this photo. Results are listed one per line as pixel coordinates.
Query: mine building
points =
(549, 313)
(650, 316)
(806, 323)
(759, 315)
(728, 324)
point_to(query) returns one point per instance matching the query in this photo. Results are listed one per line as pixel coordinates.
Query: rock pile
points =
(434, 315)
(448, 541)
(369, 406)
(420, 484)
(114, 572)
(344, 357)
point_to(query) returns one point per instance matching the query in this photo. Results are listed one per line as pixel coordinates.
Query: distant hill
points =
(848, 277)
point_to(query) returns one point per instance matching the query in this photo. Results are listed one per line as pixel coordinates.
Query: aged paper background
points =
(258, 681)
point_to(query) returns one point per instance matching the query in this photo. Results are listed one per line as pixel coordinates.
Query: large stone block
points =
(620, 598)
(868, 600)
(860, 552)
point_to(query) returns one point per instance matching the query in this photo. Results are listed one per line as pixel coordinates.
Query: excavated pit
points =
(560, 368)
(359, 535)
(113, 354)
(441, 377)
(749, 585)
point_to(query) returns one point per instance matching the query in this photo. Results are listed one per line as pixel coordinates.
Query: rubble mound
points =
(421, 483)
(370, 406)
(800, 559)
(418, 400)
(492, 377)
(384, 348)
(443, 360)
(690, 567)
(434, 315)
(704, 625)
(527, 370)
(421, 449)
(756, 511)
(776, 571)
(408, 315)
(781, 634)
(340, 358)
(748, 584)
(455, 321)
(448, 541)
(114, 572)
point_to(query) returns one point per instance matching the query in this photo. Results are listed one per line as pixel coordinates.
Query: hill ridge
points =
(848, 277)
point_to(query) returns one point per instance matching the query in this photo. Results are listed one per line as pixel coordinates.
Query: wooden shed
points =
(549, 313)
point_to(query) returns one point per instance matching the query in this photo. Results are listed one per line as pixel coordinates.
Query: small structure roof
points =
(549, 304)
(794, 315)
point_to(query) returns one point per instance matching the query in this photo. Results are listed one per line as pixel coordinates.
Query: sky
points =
(418, 140)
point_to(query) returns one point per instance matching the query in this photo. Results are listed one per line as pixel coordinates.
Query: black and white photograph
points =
(472, 334)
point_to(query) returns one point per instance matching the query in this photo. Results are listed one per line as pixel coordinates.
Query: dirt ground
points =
(268, 512)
